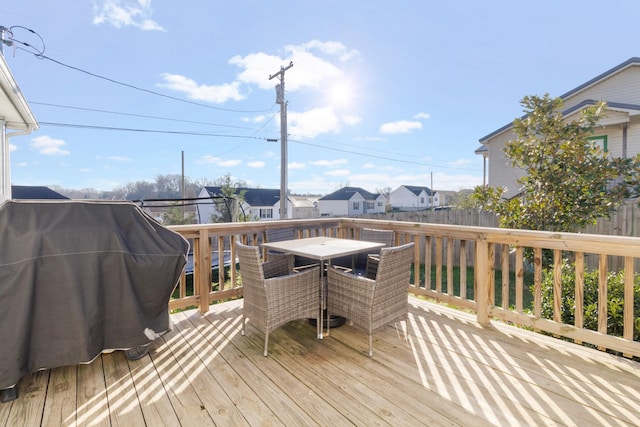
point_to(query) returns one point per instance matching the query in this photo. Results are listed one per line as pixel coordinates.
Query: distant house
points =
(304, 207)
(443, 197)
(618, 133)
(16, 118)
(351, 201)
(259, 203)
(27, 192)
(411, 198)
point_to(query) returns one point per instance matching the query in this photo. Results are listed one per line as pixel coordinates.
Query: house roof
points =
(303, 201)
(24, 192)
(634, 61)
(415, 189)
(346, 193)
(253, 196)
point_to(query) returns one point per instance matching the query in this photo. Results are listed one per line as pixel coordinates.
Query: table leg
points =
(320, 315)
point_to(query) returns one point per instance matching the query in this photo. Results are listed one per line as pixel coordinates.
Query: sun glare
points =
(341, 95)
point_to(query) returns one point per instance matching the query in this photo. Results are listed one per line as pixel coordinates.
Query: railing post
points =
(204, 271)
(482, 276)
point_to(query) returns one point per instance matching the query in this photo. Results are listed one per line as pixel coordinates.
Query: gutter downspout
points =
(624, 140)
(5, 163)
(5, 179)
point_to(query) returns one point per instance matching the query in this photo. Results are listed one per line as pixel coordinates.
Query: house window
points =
(422, 200)
(379, 204)
(371, 205)
(356, 206)
(599, 142)
(266, 213)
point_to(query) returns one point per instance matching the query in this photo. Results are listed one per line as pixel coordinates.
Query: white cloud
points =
(296, 165)
(119, 158)
(49, 146)
(124, 13)
(217, 94)
(209, 159)
(424, 116)
(313, 122)
(332, 48)
(311, 67)
(256, 119)
(313, 184)
(12, 147)
(338, 172)
(368, 166)
(329, 163)
(401, 126)
(229, 163)
(351, 120)
(256, 164)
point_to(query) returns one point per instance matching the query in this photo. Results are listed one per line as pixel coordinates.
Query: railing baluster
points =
(463, 243)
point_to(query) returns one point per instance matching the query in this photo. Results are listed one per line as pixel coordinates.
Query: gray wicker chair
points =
(370, 261)
(366, 264)
(282, 234)
(273, 295)
(372, 304)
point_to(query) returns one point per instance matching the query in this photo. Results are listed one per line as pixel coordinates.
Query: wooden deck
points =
(447, 370)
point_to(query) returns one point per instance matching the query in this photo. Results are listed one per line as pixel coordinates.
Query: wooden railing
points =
(496, 273)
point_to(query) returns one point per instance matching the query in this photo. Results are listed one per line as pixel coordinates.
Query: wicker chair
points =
(372, 304)
(369, 261)
(273, 295)
(366, 264)
(282, 234)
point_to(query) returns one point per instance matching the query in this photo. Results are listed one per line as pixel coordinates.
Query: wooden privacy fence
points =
(624, 222)
(503, 278)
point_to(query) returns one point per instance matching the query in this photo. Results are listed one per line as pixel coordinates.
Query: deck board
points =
(440, 368)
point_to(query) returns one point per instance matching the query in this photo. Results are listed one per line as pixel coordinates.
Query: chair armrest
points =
(342, 269)
(345, 276)
(278, 265)
(282, 284)
(301, 268)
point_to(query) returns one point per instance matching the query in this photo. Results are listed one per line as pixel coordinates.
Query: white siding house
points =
(410, 198)
(350, 201)
(259, 203)
(16, 118)
(618, 132)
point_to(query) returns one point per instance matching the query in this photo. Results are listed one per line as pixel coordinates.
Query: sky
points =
(380, 94)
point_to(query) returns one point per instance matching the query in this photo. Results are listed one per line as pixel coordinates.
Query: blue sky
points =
(380, 93)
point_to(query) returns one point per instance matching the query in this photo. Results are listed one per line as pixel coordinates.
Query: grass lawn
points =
(527, 292)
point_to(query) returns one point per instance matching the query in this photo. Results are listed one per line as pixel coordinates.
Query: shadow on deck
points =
(446, 370)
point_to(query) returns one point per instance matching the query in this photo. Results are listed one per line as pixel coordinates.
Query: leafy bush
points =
(615, 297)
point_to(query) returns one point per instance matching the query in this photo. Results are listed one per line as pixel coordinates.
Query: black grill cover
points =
(78, 278)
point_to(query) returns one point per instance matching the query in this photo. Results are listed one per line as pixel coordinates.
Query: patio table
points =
(323, 249)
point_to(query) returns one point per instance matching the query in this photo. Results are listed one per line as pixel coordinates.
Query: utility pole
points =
(283, 138)
(432, 191)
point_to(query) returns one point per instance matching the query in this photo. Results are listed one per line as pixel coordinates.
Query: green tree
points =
(175, 216)
(568, 182)
(229, 203)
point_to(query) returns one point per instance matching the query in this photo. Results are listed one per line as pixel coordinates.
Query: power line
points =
(247, 137)
(137, 115)
(112, 128)
(40, 55)
(376, 157)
